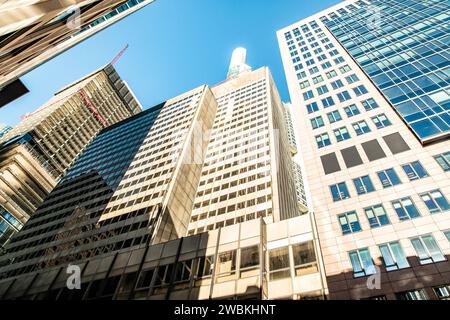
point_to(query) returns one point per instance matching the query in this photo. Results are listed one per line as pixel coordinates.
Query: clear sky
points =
(174, 46)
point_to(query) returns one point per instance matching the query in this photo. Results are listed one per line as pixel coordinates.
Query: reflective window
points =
(388, 178)
(414, 170)
(349, 222)
(435, 201)
(339, 191)
(427, 249)
(405, 209)
(341, 134)
(381, 121)
(376, 215)
(362, 262)
(393, 256)
(304, 258)
(363, 185)
(279, 263)
(444, 161)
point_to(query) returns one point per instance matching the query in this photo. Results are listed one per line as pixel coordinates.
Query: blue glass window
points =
(349, 222)
(405, 209)
(388, 178)
(339, 191)
(376, 215)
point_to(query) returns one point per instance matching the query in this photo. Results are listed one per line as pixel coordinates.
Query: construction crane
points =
(119, 54)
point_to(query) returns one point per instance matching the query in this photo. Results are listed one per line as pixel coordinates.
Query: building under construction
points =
(37, 152)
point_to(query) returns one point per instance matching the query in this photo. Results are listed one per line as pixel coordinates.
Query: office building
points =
(37, 152)
(124, 212)
(369, 85)
(248, 161)
(32, 32)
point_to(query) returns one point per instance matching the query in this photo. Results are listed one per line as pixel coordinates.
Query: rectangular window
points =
(443, 160)
(323, 140)
(304, 84)
(388, 178)
(328, 102)
(249, 260)
(343, 96)
(405, 208)
(337, 84)
(226, 264)
(339, 191)
(313, 70)
(334, 116)
(304, 258)
(344, 69)
(414, 170)
(360, 90)
(381, 121)
(369, 104)
(362, 262)
(393, 256)
(308, 95)
(312, 107)
(322, 90)
(427, 249)
(331, 74)
(412, 295)
(361, 127)
(351, 110)
(349, 222)
(443, 293)
(338, 60)
(377, 216)
(279, 263)
(317, 79)
(317, 122)
(341, 134)
(326, 65)
(351, 78)
(435, 201)
(363, 185)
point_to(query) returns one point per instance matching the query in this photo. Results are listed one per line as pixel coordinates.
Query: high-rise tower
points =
(369, 87)
(32, 32)
(36, 153)
(122, 211)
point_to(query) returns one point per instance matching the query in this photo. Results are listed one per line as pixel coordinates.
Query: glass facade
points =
(405, 52)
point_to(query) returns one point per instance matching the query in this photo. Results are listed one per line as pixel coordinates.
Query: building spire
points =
(237, 63)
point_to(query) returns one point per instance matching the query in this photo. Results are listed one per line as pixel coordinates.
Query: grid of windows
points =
(409, 60)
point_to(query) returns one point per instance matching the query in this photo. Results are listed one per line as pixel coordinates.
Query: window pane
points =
(249, 257)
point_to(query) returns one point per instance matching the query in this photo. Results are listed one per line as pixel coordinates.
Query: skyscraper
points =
(122, 211)
(32, 32)
(248, 148)
(369, 87)
(36, 153)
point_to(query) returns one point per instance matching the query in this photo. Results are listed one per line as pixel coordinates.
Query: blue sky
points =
(174, 46)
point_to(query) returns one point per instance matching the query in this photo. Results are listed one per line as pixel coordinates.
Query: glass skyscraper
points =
(403, 46)
(369, 84)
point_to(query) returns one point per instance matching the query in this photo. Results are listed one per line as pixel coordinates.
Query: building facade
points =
(248, 161)
(369, 87)
(32, 32)
(126, 213)
(37, 152)
(4, 129)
